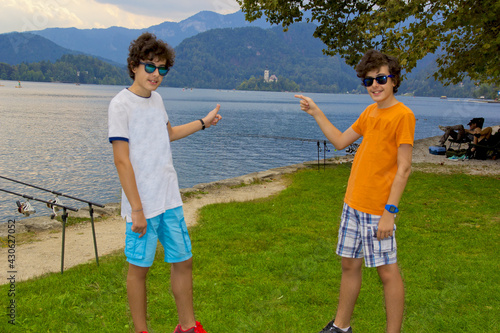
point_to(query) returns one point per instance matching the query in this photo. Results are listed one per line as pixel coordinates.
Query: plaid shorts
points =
(358, 239)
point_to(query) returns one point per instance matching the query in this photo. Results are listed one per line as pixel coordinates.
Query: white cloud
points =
(174, 10)
(23, 15)
(28, 15)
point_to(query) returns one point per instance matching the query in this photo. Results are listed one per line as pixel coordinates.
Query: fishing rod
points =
(26, 209)
(276, 137)
(53, 192)
(55, 202)
(325, 149)
(49, 203)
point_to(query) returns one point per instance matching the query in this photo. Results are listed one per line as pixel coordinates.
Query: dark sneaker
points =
(329, 328)
(196, 329)
(178, 329)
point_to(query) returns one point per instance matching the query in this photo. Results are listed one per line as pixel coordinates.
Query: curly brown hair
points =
(148, 47)
(374, 59)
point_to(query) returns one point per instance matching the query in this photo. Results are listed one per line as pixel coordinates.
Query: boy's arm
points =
(386, 223)
(181, 131)
(335, 136)
(127, 180)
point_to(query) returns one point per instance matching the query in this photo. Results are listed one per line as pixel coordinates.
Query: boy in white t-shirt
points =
(140, 132)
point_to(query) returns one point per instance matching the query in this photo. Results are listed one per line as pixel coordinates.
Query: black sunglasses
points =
(150, 68)
(381, 79)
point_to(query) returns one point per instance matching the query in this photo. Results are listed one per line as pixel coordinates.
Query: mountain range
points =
(16, 48)
(217, 51)
(112, 43)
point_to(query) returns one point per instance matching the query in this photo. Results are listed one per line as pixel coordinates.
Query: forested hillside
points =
(16, 48)
(69, 68)
(224, 58)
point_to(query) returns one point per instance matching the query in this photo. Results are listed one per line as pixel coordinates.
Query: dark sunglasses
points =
(150, 68)
(381, 79)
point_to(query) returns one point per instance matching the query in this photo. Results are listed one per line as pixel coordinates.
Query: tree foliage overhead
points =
(465, 33)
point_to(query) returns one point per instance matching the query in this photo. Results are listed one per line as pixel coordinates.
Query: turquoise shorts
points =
(170, 228)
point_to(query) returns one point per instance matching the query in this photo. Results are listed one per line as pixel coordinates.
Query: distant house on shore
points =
(267, 78)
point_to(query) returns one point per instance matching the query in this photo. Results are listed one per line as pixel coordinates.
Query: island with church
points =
(268, 82)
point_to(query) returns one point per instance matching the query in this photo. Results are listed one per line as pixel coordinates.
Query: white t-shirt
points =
(142, 122)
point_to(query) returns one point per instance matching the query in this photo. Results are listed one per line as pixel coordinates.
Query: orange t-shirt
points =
(375, 162)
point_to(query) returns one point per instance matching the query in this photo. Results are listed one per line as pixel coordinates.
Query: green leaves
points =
(465, 32)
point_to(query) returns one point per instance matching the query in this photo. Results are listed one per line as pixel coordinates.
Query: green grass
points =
(270, 266)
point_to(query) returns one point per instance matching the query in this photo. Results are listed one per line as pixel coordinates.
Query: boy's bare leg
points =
(136, 291)
(394, 296)
(182, 287)
(350, 285)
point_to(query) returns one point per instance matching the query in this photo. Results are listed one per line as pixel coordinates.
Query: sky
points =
(28, 15)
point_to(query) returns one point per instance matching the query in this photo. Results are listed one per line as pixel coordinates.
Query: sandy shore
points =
(42, 253)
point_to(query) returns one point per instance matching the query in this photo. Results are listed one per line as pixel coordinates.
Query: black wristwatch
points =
(391, 209)
(202, 124)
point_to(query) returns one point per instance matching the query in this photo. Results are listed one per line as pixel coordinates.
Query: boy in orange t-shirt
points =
(378, 177)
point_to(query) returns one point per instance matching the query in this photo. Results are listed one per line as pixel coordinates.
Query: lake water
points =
(55, 135)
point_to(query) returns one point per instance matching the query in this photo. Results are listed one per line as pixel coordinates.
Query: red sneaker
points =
(196, 329)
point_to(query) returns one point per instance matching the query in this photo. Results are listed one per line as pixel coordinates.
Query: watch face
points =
(392, 209)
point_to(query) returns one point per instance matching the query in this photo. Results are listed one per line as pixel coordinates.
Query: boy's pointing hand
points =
(212, 117)
(307, 105)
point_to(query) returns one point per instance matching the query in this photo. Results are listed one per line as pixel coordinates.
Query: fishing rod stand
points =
(64, 216)
(325, 149)
(91, 211)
